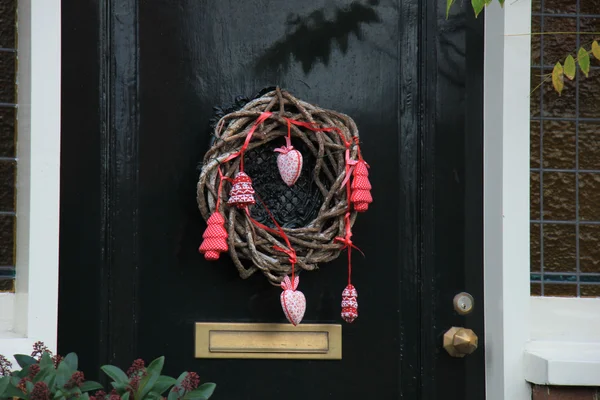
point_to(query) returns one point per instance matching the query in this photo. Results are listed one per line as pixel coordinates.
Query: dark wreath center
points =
(292, 207)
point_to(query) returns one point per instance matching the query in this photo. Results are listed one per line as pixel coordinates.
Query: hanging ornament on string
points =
(349, 304)
(242, 192)
(293, 301)
(289, 160)
(361, 187)
(215, 236)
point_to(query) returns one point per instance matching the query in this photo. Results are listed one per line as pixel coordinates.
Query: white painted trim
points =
(506, 198)
(565, 342)
(38, 177)
(563, 363)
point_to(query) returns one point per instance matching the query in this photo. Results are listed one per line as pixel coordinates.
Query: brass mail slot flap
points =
(281, 341)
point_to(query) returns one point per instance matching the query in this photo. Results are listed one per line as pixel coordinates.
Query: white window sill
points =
(565, 342)
(563, 363)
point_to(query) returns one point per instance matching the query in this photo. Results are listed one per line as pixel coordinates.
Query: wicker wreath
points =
(315, 241)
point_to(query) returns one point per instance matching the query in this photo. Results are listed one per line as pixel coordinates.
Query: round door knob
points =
(459, 342)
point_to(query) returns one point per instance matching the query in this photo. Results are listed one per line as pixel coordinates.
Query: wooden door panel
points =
(140, 79)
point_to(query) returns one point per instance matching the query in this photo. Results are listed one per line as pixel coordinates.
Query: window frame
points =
(31, 313)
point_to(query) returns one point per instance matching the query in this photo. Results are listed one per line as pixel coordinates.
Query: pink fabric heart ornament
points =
(289, 162)
(293, 301)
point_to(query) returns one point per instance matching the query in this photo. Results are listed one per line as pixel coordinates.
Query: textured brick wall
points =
(565, 393)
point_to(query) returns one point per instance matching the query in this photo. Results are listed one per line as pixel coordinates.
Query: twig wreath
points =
(331, 140)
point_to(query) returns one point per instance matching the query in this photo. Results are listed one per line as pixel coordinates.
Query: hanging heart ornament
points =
(293, 301)
(289, 163)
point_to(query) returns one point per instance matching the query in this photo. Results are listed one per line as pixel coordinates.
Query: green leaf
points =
(115, 373)
(202, 393)
(24, 361)
(163, 383)
(478, 6)
(181, 378)
(156, 365)
(176, 394)
(501, 2)
(596, 49)
(46, 360)
(63, 374)
(50, 380)
(152, 374)
(448, 6)
(570, 67)
(120, 387)
(558, 80)
(12, 391)
(125, 396)
(146, 385)
(4, 381)
(85, 396)
(71, 360)
(44, 373)
(584, 60)
(90, 385)
(29, 386)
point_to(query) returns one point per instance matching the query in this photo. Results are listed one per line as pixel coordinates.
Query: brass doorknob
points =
(459, 342)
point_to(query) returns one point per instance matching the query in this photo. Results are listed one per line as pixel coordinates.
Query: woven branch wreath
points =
(331, 140)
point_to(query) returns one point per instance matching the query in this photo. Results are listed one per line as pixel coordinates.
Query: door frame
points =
(506, 198)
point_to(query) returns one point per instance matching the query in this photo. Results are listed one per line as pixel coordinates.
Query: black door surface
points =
(140, 80)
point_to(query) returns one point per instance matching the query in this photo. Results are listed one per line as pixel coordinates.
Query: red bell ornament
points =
(361, 187)
(242, 192)
(215, 237)
(349, 304)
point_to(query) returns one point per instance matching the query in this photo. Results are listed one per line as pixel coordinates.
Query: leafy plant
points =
(478, 5)
(46, 377)
(568, 69)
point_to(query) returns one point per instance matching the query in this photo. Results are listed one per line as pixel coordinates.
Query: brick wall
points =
(565, 393)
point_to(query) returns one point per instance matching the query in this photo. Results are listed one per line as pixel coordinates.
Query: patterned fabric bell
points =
(361, 187)
(242, 193)
(215, 237)
(349, 304)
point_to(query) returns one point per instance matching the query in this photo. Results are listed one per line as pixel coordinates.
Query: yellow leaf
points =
(558, 79)
(570, 67)
(596, 50)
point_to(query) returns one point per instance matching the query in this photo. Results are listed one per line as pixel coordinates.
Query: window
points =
(29, 313)
(565, 155)
(8, 28)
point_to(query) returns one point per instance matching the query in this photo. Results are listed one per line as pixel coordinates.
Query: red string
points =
(346, 240)
(288, 139)
(220, 188)
(290, 250)
(262, 118)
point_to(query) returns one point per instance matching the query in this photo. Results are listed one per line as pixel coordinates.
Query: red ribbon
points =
(290, 250)
(261, 118)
